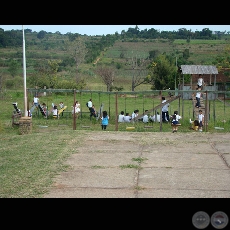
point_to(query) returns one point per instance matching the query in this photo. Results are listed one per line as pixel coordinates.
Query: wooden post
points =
(206, 112)
(74, 114)
(161, 111)
(116, 114)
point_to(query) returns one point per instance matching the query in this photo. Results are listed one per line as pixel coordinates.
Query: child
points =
(201, 120)
(55, 111)
(76, 107)
(61, 107)
(104, 120)
(127, 117)
(175, 121)
(121, 116)
(145, 118)
(44, 107)
(93, 112)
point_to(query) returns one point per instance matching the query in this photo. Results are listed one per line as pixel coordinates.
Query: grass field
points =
(30, 162)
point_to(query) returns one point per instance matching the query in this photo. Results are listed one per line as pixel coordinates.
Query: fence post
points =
(74, 114)
(116, 114)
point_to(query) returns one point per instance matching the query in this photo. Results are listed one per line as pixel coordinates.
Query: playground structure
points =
(114, 102)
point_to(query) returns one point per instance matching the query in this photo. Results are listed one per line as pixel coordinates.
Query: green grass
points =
(29, 163)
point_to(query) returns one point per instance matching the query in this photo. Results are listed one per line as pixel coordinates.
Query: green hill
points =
(109, 50)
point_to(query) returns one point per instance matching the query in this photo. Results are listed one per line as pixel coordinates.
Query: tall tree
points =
(107, 74)
(162, 73)
(138, 71)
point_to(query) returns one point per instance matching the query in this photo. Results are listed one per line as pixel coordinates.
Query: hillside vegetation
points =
(118, 51)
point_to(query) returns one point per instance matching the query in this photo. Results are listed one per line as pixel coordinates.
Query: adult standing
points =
(165, 110)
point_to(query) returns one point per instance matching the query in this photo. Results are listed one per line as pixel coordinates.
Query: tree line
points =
(14, 37)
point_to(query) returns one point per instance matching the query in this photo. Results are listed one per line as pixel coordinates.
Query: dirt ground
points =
(147, 165)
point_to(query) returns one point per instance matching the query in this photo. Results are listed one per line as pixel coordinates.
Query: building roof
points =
(199, 69)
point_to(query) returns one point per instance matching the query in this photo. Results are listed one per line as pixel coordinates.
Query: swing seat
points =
(83, 126)
(130, 128)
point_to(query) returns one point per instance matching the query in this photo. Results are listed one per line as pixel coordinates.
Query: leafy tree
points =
(41, 34)
(162, 73)
(46, 74)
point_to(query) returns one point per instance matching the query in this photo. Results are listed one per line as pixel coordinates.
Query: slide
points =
(42, 110)
(61, 110)
(32, 109)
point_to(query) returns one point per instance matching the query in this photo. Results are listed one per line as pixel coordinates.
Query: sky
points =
(111, 29)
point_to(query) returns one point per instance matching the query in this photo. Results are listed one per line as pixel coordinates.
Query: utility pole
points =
(175, 74)
(24, 75)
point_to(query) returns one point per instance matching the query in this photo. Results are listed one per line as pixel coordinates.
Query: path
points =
(147, 165)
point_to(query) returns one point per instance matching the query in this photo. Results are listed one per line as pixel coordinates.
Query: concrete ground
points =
(147, 165)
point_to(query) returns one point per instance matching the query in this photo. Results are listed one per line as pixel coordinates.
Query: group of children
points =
(126, 117)
(174, 119)
(122, 117)
(44, 109)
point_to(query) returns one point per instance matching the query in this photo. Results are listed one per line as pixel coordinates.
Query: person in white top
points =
(146, 117)
(55, 111)
(121, 117)
(76, 107)
(198, 96)
(36, 101)
(201, 120)
(135, 114)
(156, 118)
(127, 117)
(175, 121)
(165, 110)
(200, 82)
(90, 104)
